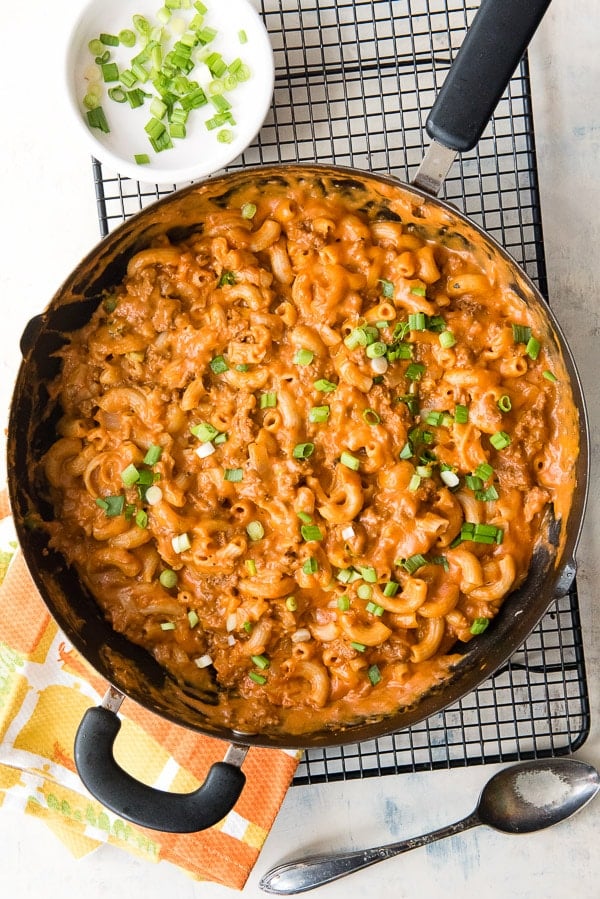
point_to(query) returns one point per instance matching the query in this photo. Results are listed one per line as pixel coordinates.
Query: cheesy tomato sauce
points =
(308, 449)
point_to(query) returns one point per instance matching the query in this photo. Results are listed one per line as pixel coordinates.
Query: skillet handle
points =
(490, 53)
(139, 803)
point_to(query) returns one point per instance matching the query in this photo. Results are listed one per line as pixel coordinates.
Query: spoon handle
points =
(306, 873)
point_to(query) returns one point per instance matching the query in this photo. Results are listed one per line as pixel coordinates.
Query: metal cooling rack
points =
(354, 84)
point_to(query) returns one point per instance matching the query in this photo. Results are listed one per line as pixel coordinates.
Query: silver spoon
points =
(523, 798)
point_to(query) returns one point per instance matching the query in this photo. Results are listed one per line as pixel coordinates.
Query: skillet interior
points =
(31, 430)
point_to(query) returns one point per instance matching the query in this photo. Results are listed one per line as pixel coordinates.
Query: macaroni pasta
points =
(307, 449)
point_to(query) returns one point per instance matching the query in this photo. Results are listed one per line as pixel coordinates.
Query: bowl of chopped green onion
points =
(171, 93)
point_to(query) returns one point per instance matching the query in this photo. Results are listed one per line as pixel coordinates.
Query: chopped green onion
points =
(219, 365)
(204, 431)
(242, 36)
(117, 94)
(417, 321)
(110, 72)
(304, 517)
(130, 475)
(449, 477)
(415, 371)
(192, 617)
(303, 357)
(142, 158)
(109, 40)
(324, 386)
(310, 566)
(291, 604)
(311, 532)
(153, 454)
(550, 376)
(413, 563)
(168, 626)
(225, 136)
(359, 647)
(141, 518)
(112, 505)
(365, 591)
(504, 403)
(248, 210)
(406, 452)
(261, 661)
(374, 674)
(387, 288)
(147, 477)
(376, 350)
(268, 400)
(303, 450)
(375, 609)
(461, 414)
(257, 678)
(319, 414)
(343, 603)
(141, 25)
(350, 461)
(251, 567)
(226, 278)
(434, 418)
(180, 543)
(91, 100)
(168, 578)
(533, 348)
(135, 98)
(521, 333)
(500, 440)
(127, 37)
(371, 417)
(96, 47)
(484, 471)
(490, 494)
(97, 119)
(418, 290)
(368, 574)
(447, 339)
(344, 575)
(177, 130)
(391, 588)
(414, 483)
(480, 533)
(234, 475)
(473, 482)
(479, 626)
(255, 530)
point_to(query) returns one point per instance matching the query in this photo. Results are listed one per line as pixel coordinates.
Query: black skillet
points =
(491, 51)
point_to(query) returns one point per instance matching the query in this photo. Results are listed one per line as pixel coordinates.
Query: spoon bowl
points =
(523, 798)
(533, 795)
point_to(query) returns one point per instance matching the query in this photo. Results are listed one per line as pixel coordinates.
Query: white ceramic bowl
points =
(200, 153)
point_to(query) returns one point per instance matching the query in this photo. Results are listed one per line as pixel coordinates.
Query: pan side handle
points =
(490, 53)
(144, 805)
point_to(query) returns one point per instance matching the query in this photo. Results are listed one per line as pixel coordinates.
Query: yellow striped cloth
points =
(45, 688)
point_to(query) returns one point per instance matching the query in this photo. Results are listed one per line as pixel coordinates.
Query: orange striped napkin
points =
(45, 688)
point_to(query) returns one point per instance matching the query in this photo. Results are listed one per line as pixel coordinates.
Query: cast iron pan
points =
(495, 43)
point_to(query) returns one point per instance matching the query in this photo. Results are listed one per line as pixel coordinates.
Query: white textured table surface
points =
(49, 222)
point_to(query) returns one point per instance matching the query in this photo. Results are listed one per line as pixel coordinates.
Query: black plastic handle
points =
(139, 803)
(490, 53)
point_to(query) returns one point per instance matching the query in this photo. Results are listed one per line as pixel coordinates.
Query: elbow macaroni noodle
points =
(307, 449)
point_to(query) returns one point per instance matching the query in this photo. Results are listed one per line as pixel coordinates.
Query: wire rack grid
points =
(355, 80)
